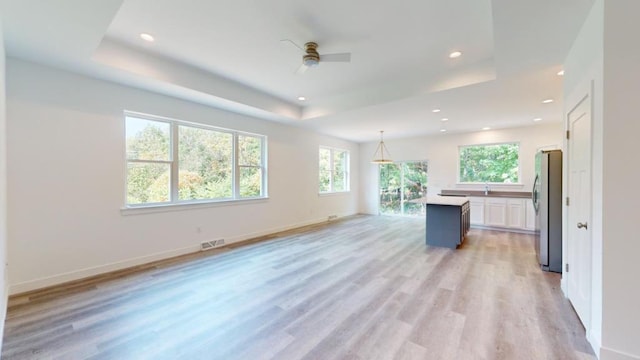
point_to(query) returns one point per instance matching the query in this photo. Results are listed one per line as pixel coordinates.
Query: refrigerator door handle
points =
(534, 193)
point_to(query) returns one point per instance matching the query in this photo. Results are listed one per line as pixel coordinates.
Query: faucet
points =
(486, 189)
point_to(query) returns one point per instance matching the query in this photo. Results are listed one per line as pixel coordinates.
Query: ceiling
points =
(230, 54)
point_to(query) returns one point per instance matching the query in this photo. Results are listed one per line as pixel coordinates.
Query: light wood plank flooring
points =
(365, 287)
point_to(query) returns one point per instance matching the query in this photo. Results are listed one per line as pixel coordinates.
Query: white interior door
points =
(579, 210)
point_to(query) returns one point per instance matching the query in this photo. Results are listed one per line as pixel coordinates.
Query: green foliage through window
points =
(399, 184)
(493, 163)
(333, 170)
(204, 169)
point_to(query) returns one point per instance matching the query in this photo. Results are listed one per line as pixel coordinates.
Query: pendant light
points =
(381, 152)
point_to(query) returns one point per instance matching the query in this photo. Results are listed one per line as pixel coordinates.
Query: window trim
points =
(518, 183)
(174, 202)
(331, 171)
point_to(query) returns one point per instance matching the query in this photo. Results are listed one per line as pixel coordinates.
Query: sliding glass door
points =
(399, 183)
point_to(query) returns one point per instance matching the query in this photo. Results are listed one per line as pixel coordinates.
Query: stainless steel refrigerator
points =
(547, 202)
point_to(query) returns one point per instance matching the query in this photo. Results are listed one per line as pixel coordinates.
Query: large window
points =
(400, 183)
(490, 163)
(333, 170)
(171, 162)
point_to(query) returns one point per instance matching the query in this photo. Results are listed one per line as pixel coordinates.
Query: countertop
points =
(441, 200)
(480, 193)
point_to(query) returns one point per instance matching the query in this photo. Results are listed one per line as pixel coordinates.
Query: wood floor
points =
(365, 287)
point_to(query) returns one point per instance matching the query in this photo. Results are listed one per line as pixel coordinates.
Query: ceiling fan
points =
(312, 58)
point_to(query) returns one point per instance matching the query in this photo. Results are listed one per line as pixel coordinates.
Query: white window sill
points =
(160, 208)
(334, 193)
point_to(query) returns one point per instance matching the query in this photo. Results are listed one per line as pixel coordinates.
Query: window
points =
(399, 184)
(174, 162)
(334, 170)
(490, 163)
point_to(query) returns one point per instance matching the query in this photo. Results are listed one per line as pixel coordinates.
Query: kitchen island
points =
(447, 220)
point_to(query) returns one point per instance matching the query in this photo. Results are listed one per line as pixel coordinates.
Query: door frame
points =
(586, 93)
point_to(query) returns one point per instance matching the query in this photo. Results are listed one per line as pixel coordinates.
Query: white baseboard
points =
(119, 265)
(563, 286)
(96, 270)
(594, 341)
(610, 354)
(274, 230)
(498, 228)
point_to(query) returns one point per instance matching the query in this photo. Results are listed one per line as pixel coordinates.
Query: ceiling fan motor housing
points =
(312, 57)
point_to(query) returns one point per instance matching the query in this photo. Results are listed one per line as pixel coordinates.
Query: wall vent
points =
(332, 217)
(211, 244)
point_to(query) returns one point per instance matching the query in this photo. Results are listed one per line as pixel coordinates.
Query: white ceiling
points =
(229, 54)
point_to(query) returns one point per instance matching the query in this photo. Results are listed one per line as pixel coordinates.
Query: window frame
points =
(458, 167)
(347, 172)
(174, 164)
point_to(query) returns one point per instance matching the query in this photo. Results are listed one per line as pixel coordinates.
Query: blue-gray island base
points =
(448, 220)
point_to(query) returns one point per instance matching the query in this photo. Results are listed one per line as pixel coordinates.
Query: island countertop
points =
(441, 200)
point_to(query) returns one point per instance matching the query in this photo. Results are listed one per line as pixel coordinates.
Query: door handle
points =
(582, 226)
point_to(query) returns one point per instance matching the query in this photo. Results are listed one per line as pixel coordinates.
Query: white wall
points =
(621, 293)
(4, 283)
(66, 180)
(602, 58)
(441, 151)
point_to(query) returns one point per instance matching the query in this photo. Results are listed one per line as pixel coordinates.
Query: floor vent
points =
(211, 244)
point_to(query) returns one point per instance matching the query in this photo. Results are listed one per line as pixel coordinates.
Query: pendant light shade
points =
(381, 156)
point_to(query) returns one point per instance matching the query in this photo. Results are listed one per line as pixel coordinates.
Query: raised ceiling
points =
(230, 54)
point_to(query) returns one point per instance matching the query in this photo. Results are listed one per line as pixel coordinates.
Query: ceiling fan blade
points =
(340, 57)
(301, 70)
(293, 43)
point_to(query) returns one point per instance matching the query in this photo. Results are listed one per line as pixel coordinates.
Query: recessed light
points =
(455, 54)
(147, 37)
(444, 119)
(486, 128)
(537, 119)
(443, 130)
(561, 73)
(547, 101)
(302, 98)
(436, 110)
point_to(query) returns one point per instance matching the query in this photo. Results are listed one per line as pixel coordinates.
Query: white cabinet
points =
(529, 215)
(501, 212)
(515, 213)
(476, 206)
(496, 212)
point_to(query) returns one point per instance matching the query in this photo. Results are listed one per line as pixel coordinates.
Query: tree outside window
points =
(169, 161)
(490, 163)
(399, 184)
(333, 168)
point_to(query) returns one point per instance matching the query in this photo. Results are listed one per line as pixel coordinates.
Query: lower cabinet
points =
(513, 213)
(529, 215)
(476, 206)
(496, 212)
